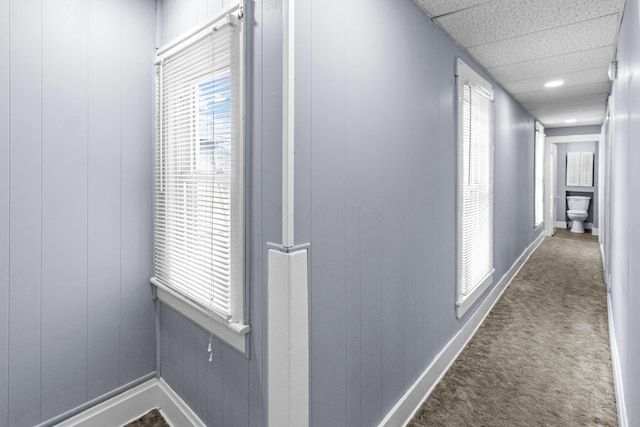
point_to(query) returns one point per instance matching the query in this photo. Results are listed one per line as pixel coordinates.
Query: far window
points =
(475, 186)
(539, 175)
(199, 170)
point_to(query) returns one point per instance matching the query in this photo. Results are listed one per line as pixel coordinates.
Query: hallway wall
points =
(230, 390)
(76, 314)
(376, 197)
(624, 253)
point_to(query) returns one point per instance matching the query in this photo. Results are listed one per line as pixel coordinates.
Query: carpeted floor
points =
(565, 233)
(542, 356)
(150, 419)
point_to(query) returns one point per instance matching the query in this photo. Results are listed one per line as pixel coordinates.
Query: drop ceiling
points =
(525, 43)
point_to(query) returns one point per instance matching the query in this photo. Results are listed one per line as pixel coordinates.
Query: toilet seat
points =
(577, 212)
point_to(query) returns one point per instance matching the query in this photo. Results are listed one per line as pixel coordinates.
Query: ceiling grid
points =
(525, 43)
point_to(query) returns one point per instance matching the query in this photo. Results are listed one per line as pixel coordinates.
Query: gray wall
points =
(563, 189)
(376, 197)
(624, 237)
(76, 315)
(231, 390)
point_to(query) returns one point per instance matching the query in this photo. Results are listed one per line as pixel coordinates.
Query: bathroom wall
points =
(376, 198)
(231, 390)
(623, 251)
(563, 189)
(76, 314)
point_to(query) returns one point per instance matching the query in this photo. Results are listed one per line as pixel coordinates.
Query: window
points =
(475, 186)
(539, 175)
(199, 176)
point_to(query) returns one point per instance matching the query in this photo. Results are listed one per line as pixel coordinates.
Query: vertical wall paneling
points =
(371, 252)
(133, 79)
(327, 336)
(213, 376)
(633, 385)
(395, 190)
(25, 212)
(4, 212)
(104, 197)
(622, 249)
(255, 267)
(235, 383)
(69, 132)
(146, 21)
(63, 354)
(376, 145)
(353, 215)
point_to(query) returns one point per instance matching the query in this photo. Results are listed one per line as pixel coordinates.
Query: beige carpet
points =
(542, 356)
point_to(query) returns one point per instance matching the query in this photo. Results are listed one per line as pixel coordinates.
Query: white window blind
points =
(539, 175)
(586, 169)
(199, 164)
(475, 186)
(573, 169)
(580, 169)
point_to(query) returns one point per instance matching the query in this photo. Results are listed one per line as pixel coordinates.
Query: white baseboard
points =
(410, 402)
(561, 224)
(595, 231)
(617, 374)
(133, 403)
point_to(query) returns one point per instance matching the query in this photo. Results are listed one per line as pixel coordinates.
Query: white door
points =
(553, 165)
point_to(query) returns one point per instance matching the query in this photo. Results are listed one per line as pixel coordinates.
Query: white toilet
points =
(578, 212)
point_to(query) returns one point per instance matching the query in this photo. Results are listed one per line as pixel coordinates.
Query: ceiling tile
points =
(579, 78)
(576, 110)
(564, 93)
(592, 34)
(584, 119)
(554, 65)
(537, 106)
(435, 8)
(503, 19)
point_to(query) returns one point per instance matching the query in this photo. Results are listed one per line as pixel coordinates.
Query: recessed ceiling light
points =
(554, 83)
(570, 121)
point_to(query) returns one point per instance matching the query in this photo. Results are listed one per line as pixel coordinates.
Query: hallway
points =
(542, 355)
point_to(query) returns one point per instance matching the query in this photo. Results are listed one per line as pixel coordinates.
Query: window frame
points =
(466, 76)
(234, 328)
(538, 176)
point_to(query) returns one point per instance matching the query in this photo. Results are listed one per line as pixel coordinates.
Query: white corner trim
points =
(135, 402)
(231, 333)
(410, 402)
(561, 224)
(617, 374)
(595, 231)
(288, 338)
(288, 120)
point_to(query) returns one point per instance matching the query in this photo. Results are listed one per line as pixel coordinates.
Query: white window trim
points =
(539, 143)
(231, 332)
(464, 73)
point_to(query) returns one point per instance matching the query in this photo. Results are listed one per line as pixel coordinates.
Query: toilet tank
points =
(578, 203)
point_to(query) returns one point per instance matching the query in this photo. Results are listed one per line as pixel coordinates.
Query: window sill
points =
(233, 334)
(467, 302)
